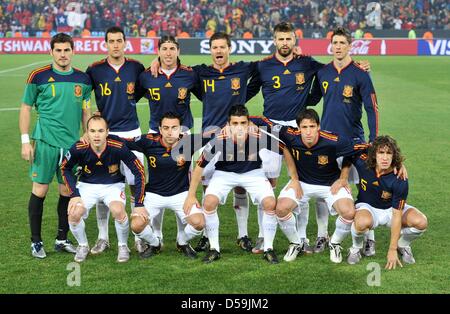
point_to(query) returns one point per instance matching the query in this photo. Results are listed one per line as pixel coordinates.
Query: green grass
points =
(413, 94)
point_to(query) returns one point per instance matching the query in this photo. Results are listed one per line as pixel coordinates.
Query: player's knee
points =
(269, 204)
(40, 190)
(282, 210)
(137, 225)
(346, 210)
(117, 210)
(74, 218)
(210, 203)
(361, 224)
(420, 222)
(197, 221)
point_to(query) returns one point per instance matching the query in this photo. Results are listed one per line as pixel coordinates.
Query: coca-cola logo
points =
(359, 47)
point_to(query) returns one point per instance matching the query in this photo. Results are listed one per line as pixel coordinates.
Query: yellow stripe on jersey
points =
(38, 70)
(329, 136)
(140, 168)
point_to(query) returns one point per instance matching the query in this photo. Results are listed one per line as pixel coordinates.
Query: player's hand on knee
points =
(295, 185)
(338, 184)
(392, 259)
(188, 203)
(27, 152)
(75, 204)
(141, 214)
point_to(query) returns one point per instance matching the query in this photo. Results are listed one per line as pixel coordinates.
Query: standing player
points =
(100, 180)
(61, 96)
(286, 81)
(168, 158)
(239, 165)
(114, 80)
(169, 92)
(345, 87)
(382, 202)
(315, 153)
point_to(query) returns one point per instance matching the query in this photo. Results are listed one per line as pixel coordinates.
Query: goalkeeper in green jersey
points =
(61, 96)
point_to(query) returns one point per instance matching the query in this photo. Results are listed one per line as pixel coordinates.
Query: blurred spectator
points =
(196, 17)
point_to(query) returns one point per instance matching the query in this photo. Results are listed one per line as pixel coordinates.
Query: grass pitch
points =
(414, 98)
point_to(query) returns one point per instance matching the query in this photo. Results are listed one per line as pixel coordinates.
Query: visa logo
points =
(439, 47)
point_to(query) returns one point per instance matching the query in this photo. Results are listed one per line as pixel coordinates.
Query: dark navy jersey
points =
(380, 191)
(103, 168)
(344, 93)
(117, 92)
(168, 168)
(236, 157)
(285, 86)
(219, 90)
(169, 93)
(317, 164)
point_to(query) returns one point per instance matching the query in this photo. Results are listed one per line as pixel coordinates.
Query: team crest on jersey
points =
(182, 93)
(386, 195)
(113, 168)
(299, 78)
(322, 160)
(130, 88)
(78, 91)
(181, 161)
(86, 169)
(235, 83)
(348, 91)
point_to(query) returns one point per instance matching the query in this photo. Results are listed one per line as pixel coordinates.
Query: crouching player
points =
(315, 153)
(100, 181)
(169, 157)
(382, 202)
(239, 165)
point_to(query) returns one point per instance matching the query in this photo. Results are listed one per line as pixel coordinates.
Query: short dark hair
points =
(238, 111)
(61, 38)
(341, 31)
(220, 35)
(309, 114)
(114, 30)
(96, 117)
(381, 142)
(170, 115)
(168, 39)
(284, 27)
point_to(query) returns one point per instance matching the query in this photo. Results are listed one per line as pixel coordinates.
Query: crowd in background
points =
(199, 18)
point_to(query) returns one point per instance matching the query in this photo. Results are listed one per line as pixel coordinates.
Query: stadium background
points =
(413, 94)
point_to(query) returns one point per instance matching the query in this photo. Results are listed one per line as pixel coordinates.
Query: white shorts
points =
(91, 194)
(254, 182)
(155, 203)
(272, 161)
(381, 217)
(316, 191)
(353, 177)
(129, 177)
